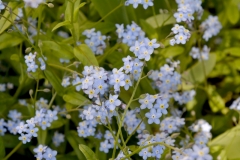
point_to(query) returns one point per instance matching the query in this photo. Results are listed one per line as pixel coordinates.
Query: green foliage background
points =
(217, 80)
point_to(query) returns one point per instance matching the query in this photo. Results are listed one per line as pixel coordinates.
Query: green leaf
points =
(65, 23)
(9, 40)
(198, 71)
(55, 81)
(172, 51)
(161, 20)
(4, 23)
(85, 55)
(149, 29)
(76, 10)
(88, 153)
(75, 140)
(15, 57)
(10, 141)
(233, 51)
(232, 13)
(2, 149)
(61, 50)
(75, 98)
(57, 123)
(70, 9)
(42, 136)
(215, 100)
(230, 141)
(118, 15)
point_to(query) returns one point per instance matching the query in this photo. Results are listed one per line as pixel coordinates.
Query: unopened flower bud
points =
(28, 50)
(150, 72)
(193, 113)
(175, 135)
(9, 30)
(31, 92)
(50, 5)
(40, 44)
(168, 156)
(142, 96)
(46, 90)
(68, 116)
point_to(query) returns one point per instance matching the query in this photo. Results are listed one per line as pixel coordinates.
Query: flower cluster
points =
(44, 152)
(95, 40)
(154, 151)
(181, 35)
(86, 128)
(30, 61)
(156, 105)
(186, 10)
(236, 104)
(144, 49)
(43, 119)
(211, 27)
(135, 3)
(58, 138)
(172, 124)
(108, 143)
(132, 122)
(166, 79)
(203, 54)
(14, 121)
(131, 34)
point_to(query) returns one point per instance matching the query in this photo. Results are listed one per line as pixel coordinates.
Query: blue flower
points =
(147, 102)
(161, 105)
(153, 116)
(113, 102)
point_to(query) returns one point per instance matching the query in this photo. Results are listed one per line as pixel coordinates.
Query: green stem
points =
(125, 112)
(64, 68)
(13, 151)
(51, 102)
(133, 132)
(109, 13)
(149, 145)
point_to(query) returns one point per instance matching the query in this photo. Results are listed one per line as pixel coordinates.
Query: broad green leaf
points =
(161, 20)
(57, 123)
(197, 72)
(8, 18)
(230, 140)
(9, 40)
(215, 100)
(76, 10)
(61, 50)
(65, 23)
(71, 8)
(15, 57)
(2, 149)
(149, 29)
(88, 153)
(118, 15)
(232, 13)
(172, 51)
(85, 55)
(75, 140)
(233, 51)
(6, 99)
(55, 81)
(75, 98)
(10, 141)
(42, 136)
